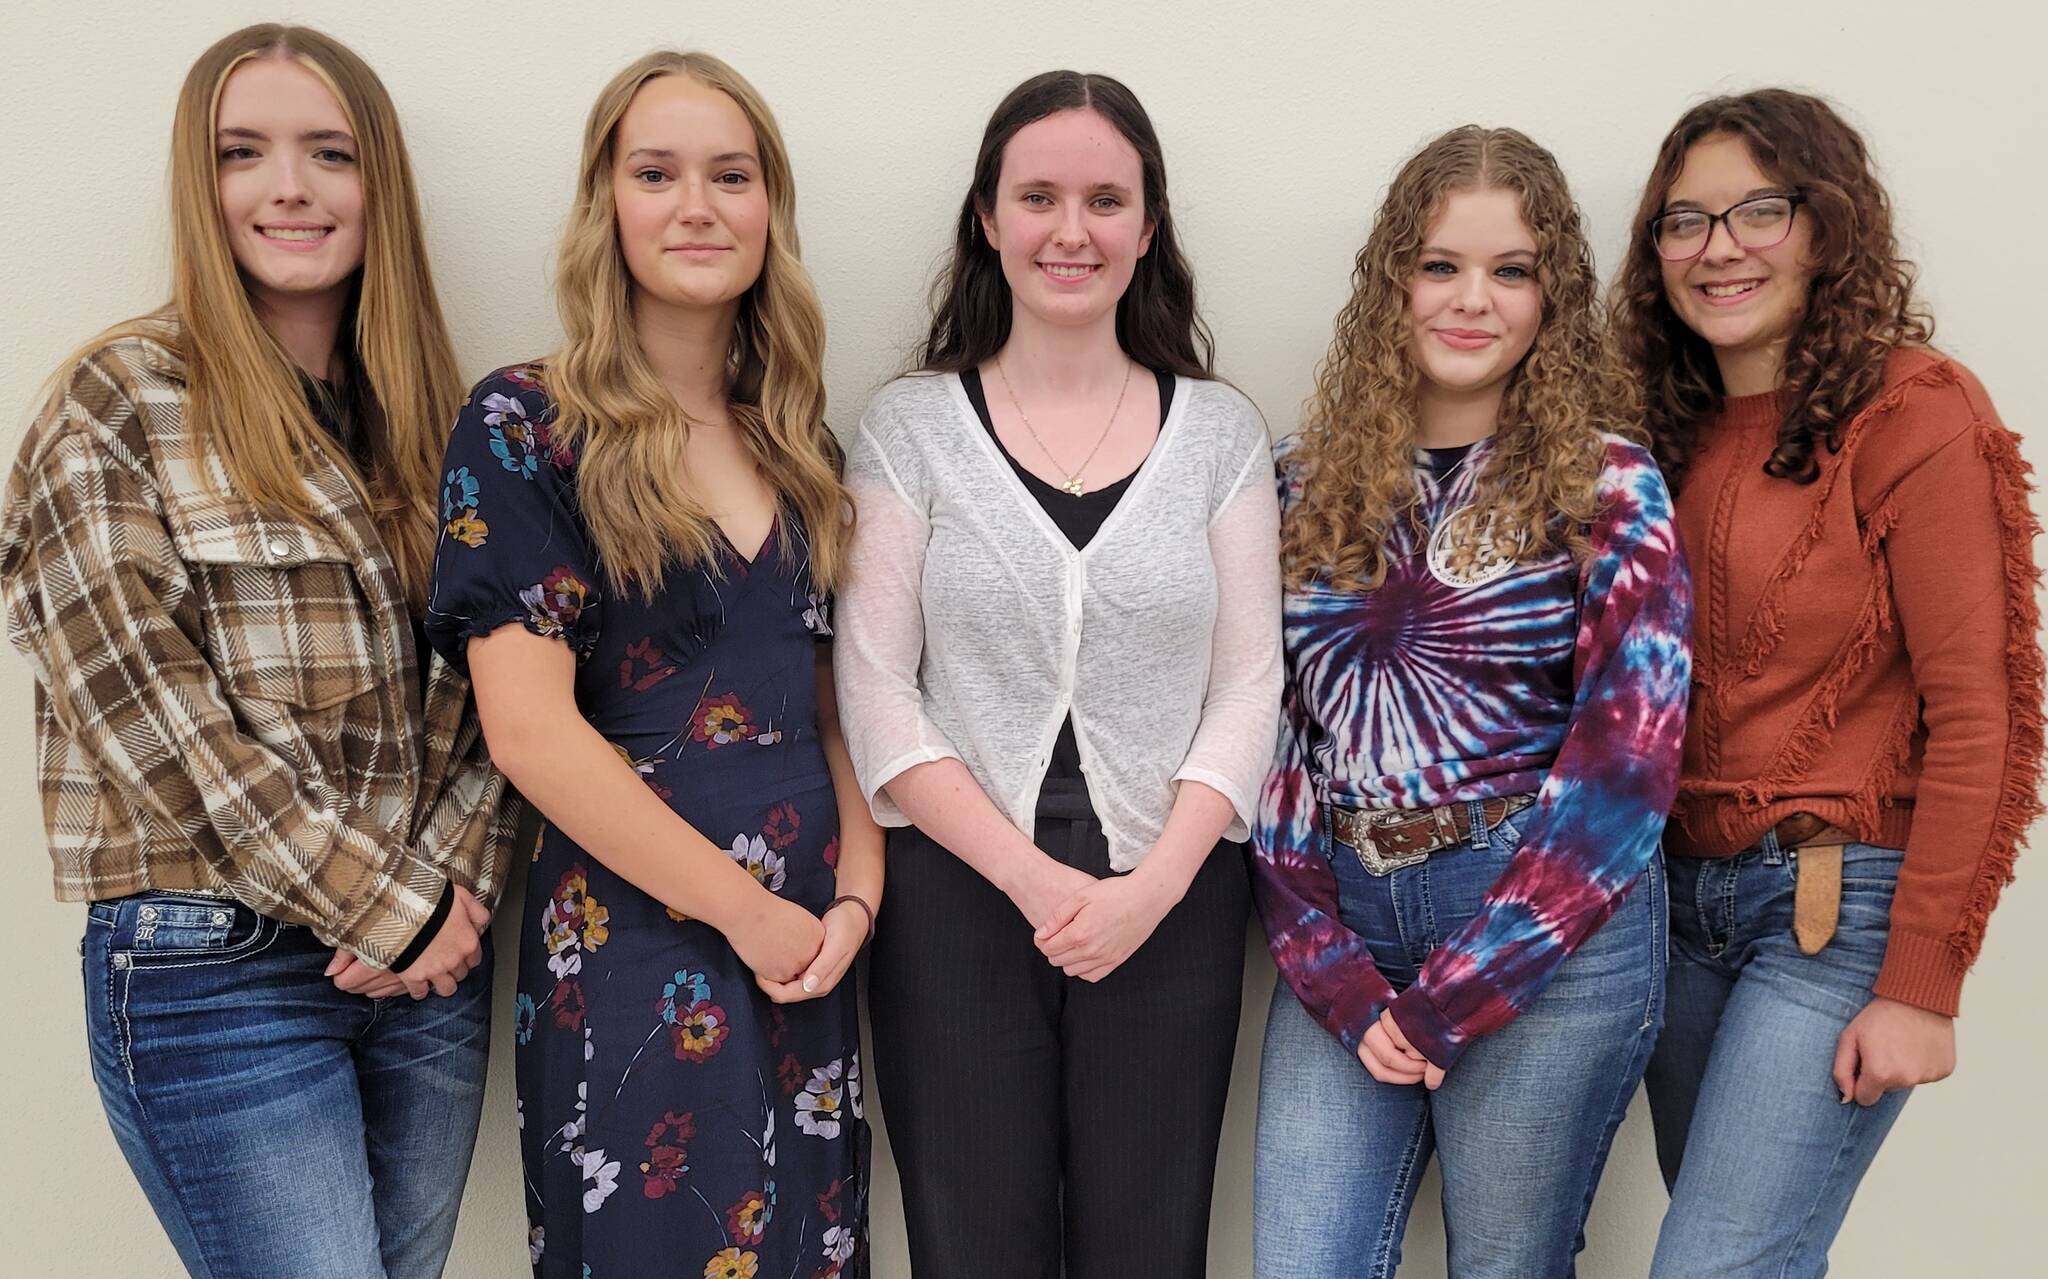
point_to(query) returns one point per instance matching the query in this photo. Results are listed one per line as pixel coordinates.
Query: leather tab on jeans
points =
(1817, 896)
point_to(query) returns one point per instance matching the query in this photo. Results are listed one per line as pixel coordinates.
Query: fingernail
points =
(810, 984)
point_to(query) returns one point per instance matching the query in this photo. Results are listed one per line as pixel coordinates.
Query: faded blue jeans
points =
(1521, 1125)
(1759, 1152)
(278, 1125)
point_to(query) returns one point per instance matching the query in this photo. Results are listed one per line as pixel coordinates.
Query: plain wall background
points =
(1282, 125)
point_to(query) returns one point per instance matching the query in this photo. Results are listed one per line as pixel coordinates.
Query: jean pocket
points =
(151, 927)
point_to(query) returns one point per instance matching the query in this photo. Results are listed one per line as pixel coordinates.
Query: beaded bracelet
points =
(865, 909)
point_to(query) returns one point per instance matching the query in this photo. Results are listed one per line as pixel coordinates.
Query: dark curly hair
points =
(1859, 304)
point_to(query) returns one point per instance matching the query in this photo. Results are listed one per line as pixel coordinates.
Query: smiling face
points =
(1473, 303)
(291, 194)
(1068, 218)
(692, 204)
(1746, 303)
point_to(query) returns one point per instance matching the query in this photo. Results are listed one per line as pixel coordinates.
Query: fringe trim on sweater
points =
(1767, 626)
(1815, 728)
(2019, 795)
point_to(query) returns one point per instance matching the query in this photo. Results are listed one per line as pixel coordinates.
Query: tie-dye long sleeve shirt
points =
(1566, 680)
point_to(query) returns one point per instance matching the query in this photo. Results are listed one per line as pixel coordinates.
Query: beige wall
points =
(1282, 124)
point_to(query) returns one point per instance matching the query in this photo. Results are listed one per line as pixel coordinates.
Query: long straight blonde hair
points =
(612, 408)
(244, 399)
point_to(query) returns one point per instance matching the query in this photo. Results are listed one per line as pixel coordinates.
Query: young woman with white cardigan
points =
(1059, 663)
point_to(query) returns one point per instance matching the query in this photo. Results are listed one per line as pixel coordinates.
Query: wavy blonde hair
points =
(244, 398)
(1356, 453)
(614, 411)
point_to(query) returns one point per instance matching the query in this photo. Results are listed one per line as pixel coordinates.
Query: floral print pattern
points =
(674, 1120)
(554, 604)
(721, 720)
(458, 508)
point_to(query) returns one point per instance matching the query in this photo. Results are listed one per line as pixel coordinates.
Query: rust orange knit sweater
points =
(1864, 649)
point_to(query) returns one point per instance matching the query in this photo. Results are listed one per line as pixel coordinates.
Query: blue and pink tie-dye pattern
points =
(1566, 680)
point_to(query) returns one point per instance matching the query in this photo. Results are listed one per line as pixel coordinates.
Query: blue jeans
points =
(1522, 1123)
(278, 1125)
(1759, 1152)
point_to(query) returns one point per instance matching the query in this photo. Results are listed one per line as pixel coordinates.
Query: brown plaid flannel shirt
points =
(227, 702)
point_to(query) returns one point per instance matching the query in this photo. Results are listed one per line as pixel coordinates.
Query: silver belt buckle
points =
(1353, 828)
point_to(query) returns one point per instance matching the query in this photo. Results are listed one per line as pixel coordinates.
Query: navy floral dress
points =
(673, 1120)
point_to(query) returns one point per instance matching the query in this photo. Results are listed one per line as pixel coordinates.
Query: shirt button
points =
(279, 548)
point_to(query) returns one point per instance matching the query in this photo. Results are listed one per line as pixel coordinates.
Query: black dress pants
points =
(1037, 1119)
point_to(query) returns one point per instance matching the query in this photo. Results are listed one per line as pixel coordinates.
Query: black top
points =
(338, 407)
(1440, 461)
(1080, 517)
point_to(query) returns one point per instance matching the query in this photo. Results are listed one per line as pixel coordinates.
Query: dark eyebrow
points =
(1100, 188)
(1756, 193)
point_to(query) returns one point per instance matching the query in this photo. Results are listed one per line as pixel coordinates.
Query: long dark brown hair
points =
(1859, 305)
(1156, 321)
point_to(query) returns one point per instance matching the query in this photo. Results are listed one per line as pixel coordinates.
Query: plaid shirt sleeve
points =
(99, 600)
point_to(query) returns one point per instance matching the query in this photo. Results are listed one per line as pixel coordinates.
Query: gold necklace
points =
(1072, 484)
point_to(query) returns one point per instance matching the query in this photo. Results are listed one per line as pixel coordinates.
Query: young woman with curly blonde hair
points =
(1864, 746)
(1486, 621)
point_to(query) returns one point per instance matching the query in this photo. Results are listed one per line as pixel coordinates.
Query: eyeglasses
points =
(1759, 223)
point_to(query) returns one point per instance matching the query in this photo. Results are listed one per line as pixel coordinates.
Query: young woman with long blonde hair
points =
(214, 551)
(1486, 622)
(639, 534)
(1864, 751)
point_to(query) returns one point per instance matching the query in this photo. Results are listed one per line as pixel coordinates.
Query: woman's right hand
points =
(1041, 891)
(778, 940)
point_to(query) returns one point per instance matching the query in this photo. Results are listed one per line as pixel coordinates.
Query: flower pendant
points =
(1072, 484)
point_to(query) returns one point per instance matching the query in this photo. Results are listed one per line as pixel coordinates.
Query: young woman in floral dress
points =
(638, 534)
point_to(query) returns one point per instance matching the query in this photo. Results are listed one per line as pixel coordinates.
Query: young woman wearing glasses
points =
(1865, 734)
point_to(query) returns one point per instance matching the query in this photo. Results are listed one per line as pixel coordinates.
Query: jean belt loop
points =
(1774, 853)
(1475, 813)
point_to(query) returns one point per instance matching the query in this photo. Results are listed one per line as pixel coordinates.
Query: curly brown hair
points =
(1859, 304)
(1356, 452)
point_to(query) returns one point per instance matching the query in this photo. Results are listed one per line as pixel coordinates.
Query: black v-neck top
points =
(1079, 517)
(1064, 794)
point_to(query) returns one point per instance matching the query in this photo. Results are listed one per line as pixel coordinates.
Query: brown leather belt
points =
(1389, 839)
(1817, 886)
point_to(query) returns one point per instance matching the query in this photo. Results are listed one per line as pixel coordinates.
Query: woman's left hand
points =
(1103, 924)
(846, 931)
(1890, 1046)
(1432, 1074)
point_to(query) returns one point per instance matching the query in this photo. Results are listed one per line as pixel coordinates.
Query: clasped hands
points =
(1391, 1059)
(456, 949)
(1086, 927)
